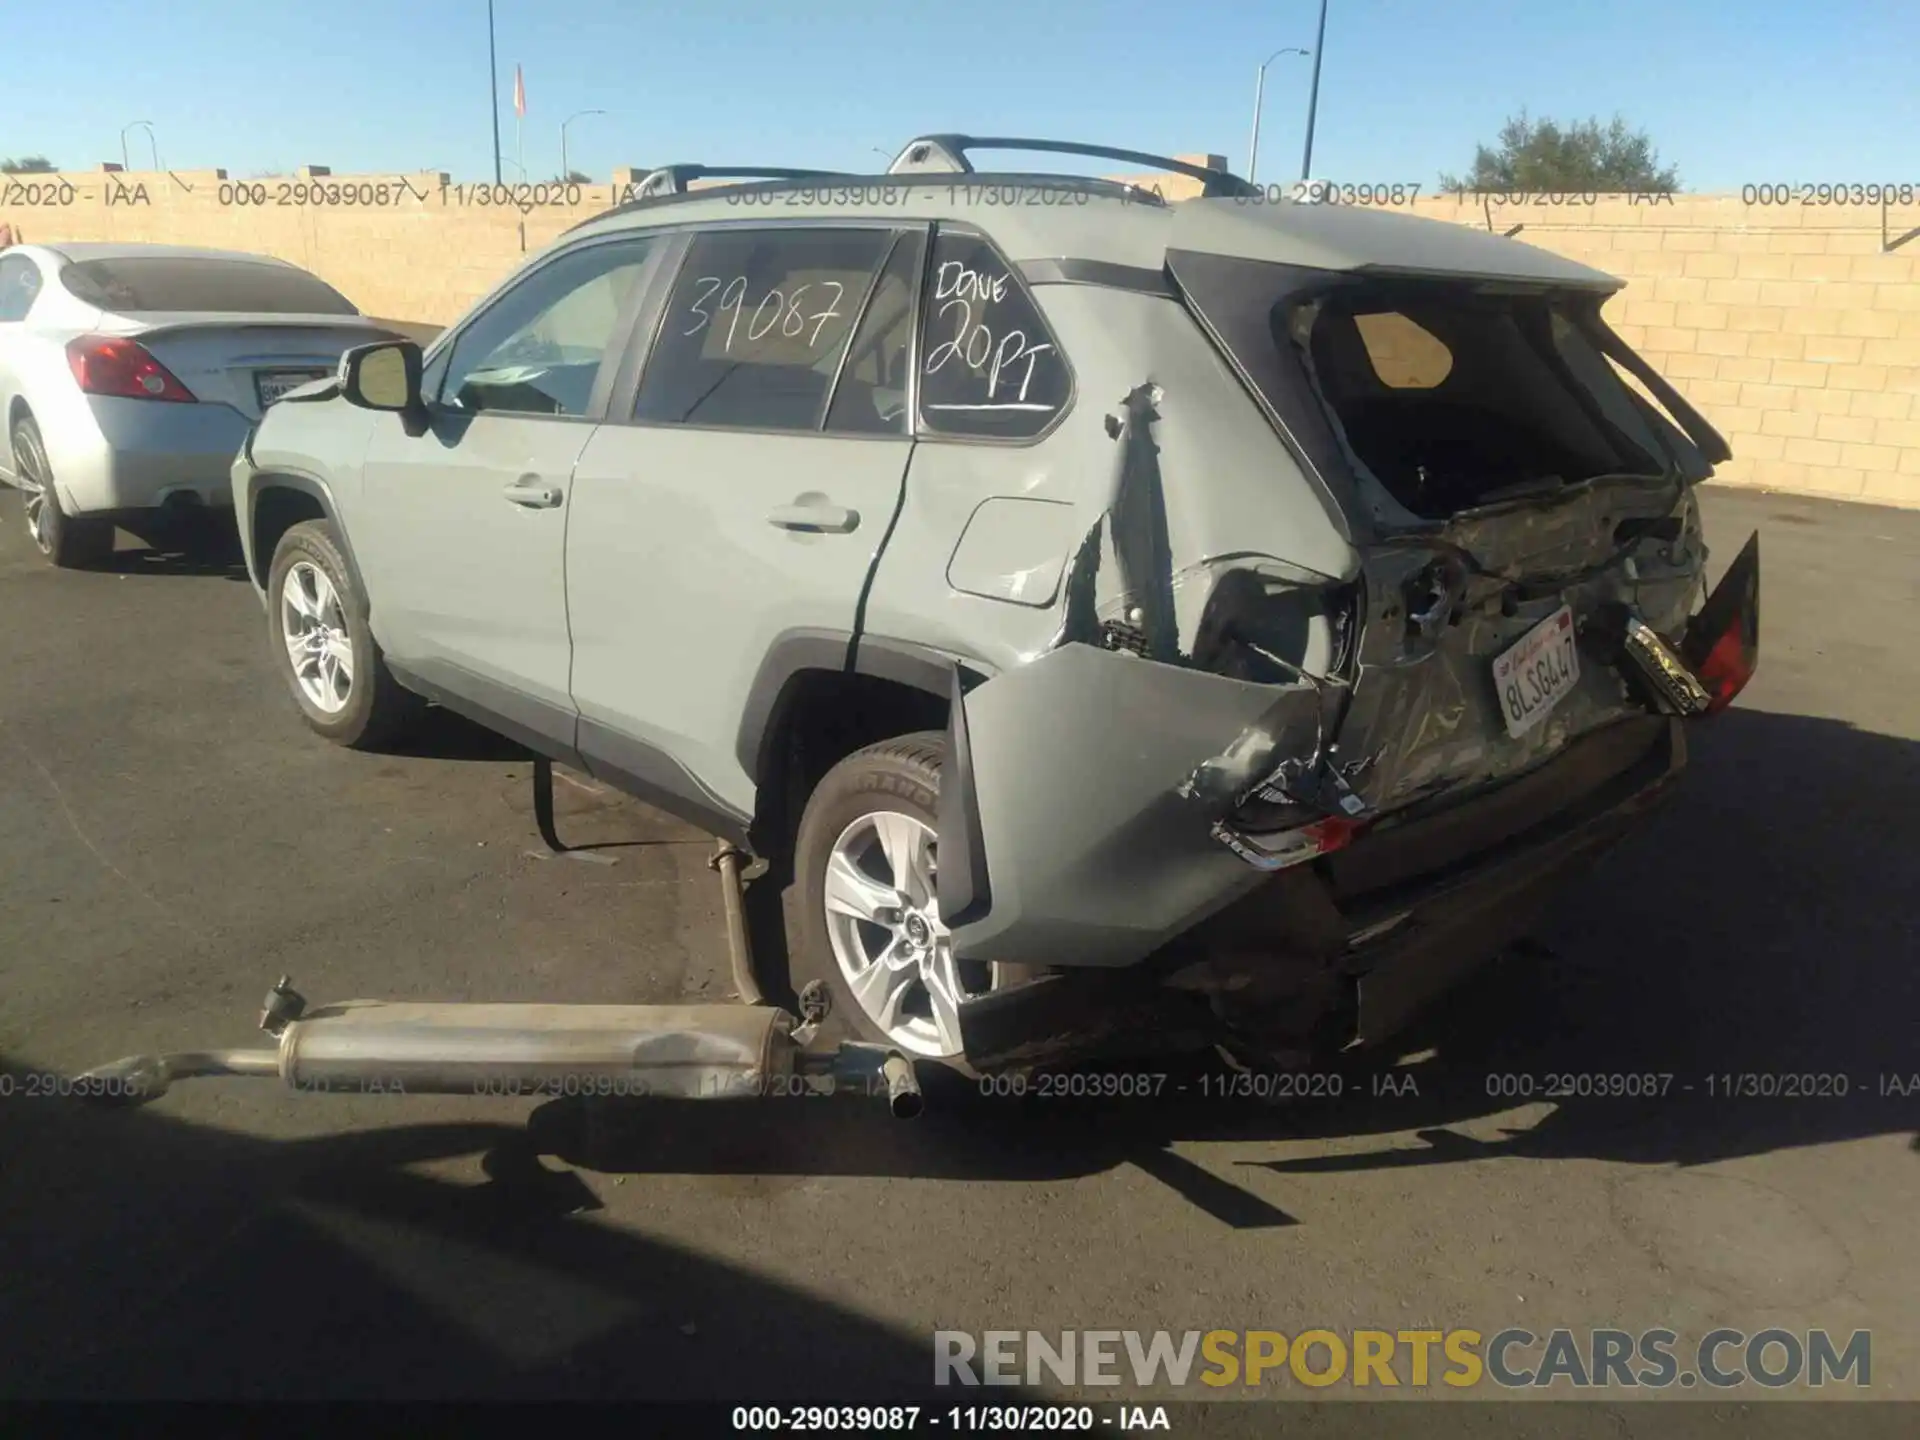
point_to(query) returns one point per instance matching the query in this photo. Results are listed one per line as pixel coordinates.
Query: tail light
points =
(1722, 643)
(1290, 847)
(112, 365)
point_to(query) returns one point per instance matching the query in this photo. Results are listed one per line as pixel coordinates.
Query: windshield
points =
(204, 283)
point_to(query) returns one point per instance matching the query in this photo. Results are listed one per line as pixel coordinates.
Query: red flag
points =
(519, 94)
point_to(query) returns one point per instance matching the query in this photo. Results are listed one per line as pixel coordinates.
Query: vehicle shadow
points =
(149, 1258)
(442, 734)
(1760, 926)
(203, 546)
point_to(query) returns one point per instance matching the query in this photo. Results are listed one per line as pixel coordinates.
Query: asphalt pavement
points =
(172, 840)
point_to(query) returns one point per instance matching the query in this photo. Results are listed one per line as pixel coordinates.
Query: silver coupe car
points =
(130, 375)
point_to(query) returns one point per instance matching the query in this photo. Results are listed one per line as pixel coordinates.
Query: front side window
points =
(756, 327)
(989, 367)
(539, 348)
(19, 287)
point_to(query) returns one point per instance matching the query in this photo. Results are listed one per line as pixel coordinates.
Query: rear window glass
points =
(1452, 397)
(228, 287)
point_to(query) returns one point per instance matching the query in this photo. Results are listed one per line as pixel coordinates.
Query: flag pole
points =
(520, 122)
(493, 91)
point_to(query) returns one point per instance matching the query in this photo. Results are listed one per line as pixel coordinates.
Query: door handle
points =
(528, 491)
(833, 519)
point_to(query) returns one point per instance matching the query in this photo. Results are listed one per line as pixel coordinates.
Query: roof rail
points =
(678, 179)
(947, 155)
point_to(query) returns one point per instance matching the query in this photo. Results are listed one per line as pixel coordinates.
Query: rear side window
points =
(756, 327)
(989, 367)
(19, 287)
(193, 282)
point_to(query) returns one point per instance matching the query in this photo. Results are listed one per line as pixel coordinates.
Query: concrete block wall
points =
(1794, 328)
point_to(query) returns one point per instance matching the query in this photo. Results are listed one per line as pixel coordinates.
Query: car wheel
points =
(69, 541)
(865, 862)
(317, 620)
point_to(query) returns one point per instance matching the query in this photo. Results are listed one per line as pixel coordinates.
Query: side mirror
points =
(382, 376)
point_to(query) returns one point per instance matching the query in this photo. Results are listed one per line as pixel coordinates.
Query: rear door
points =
(743, 491)
(461, 524)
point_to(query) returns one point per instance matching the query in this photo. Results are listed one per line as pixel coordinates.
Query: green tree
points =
(1542, 156)
(26, 165)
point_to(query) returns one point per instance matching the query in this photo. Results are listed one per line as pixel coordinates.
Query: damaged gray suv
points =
(1117, 623)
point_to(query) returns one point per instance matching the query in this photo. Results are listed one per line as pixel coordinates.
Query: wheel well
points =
(821, 717)
(276, 510)
(16, 412)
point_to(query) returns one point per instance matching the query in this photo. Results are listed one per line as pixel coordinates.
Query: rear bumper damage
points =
(1099, 839)
(1351, 946)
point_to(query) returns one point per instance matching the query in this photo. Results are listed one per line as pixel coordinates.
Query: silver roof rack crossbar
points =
(947, 155)
(678, 179)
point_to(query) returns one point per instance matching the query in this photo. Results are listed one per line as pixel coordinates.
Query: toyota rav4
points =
(1117, 622)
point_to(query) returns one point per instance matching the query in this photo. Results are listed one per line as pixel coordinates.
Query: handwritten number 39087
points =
(776, 309)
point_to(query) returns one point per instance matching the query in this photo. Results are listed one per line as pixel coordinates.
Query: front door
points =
(746, 493)
(462, 524)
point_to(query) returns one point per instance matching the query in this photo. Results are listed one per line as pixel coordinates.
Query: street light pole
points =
(1259, 87)
(125, 162)
(493, 91)
(1313, 97)
(565, 172)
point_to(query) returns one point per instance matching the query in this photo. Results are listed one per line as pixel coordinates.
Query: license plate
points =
(1537, 672)
(270, 385)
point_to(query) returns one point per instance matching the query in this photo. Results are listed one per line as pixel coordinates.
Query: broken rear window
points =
(1453, 397)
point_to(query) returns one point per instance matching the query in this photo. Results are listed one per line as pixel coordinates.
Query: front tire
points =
(324, 648)
(865, 864)
(71, 542)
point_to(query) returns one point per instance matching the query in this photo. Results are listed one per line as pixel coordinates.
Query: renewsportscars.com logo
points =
(1512, 1358)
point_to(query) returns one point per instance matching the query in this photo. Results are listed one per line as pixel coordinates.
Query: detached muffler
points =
(684, 1052)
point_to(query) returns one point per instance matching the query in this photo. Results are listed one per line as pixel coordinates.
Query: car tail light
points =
(111, 365)
(1290, 847)
(1723, 641)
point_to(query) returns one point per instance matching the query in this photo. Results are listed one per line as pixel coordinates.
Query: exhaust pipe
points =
(686, 1052)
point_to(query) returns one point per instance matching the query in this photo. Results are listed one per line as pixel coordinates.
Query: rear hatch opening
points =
(1518, 486)
(1452, 395)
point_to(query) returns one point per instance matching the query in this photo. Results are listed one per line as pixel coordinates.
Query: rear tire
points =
(70, 542)
(868, 843)
(324, 648)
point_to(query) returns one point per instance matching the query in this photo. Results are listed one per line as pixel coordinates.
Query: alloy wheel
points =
(884, 927)
(33, 493)
(313, 623)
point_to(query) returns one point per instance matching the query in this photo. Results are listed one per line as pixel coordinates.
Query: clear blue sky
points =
(1733, 91)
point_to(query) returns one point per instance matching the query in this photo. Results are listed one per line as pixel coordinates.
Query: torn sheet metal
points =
(1424, 708)
(1092, 856)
